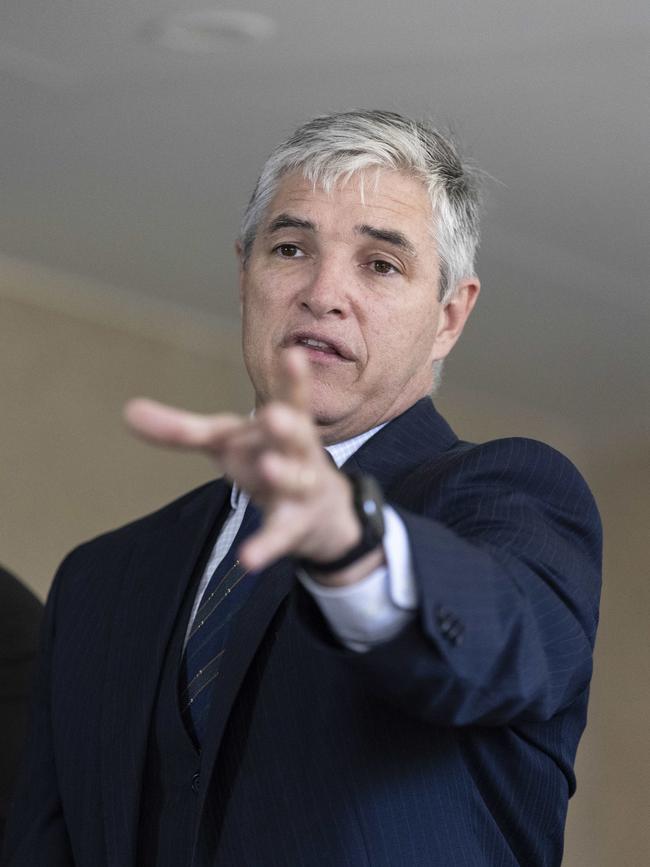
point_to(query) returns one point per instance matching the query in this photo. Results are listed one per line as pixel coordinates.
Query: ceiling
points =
(128, 161)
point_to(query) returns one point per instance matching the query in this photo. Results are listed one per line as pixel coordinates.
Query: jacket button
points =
(196, 779)
(455, 635)
(450, 625)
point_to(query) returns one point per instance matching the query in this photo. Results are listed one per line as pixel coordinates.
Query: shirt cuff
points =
(378, 607)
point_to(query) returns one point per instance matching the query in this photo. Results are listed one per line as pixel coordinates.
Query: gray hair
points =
(331, 148)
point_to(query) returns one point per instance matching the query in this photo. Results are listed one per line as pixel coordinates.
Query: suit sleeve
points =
(36, 832)
(506, 548)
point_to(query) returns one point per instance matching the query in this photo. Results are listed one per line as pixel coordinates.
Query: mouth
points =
(319, 346)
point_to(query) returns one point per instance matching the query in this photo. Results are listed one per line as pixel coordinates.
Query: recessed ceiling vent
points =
(208, 30)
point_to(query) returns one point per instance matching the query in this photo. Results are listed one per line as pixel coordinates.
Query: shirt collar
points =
(339, 452)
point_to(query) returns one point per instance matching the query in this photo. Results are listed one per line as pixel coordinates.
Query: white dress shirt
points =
(362, 614)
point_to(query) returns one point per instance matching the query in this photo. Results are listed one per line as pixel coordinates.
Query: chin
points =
(326, 420)
(326, 409)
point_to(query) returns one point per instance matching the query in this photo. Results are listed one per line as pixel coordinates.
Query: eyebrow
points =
(286, 221)
(389, 236)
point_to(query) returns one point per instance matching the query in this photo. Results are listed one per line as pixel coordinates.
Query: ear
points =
(454, 313)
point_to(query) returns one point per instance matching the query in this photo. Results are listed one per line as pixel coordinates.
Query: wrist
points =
(352, 574)
(365, 533)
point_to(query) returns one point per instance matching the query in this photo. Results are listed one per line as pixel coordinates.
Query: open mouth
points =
(318, 346)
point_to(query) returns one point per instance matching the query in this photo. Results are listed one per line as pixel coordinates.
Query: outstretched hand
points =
(277, 457)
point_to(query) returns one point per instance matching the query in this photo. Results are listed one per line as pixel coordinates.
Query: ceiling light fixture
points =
(208, 30)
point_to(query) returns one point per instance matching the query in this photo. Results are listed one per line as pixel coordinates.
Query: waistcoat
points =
(170, 785)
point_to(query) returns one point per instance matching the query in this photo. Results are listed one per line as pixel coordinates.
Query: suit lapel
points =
(404, 444)
(150, 598)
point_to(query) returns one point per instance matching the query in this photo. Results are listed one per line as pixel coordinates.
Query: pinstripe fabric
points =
(425, 751)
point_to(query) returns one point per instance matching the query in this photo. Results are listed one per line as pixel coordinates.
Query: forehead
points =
(381, 197)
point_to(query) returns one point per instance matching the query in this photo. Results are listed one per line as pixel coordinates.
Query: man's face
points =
(354, 279)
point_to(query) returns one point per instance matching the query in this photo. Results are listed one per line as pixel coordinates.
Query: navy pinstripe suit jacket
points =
(452, 744)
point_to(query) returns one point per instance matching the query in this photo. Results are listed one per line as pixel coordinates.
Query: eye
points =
(380, 266)
(288, 251)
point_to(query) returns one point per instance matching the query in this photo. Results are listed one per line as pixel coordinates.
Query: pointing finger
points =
(168, 426)
(296, 379)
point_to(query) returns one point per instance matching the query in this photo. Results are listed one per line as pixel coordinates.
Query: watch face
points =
(370, 506)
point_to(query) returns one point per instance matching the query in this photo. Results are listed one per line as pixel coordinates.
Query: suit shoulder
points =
(513, 464)
(511, 451)
(123, 537)
(498, 456)
(539, 466)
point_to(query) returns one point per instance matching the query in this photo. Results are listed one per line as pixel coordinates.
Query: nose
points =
(326, 293)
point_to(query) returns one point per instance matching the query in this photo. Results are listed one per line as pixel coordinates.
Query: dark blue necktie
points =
(227, 590)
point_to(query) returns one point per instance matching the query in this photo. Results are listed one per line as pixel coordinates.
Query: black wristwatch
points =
(368, 502)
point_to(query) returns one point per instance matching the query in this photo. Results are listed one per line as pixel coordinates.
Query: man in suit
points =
(393, 669)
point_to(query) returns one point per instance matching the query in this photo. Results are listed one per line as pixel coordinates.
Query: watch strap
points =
(368, 504)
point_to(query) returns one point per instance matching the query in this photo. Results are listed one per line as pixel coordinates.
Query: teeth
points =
(317, 344)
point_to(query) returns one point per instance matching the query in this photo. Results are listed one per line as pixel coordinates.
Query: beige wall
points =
(71, 354)
(69, 469)
(608, 819)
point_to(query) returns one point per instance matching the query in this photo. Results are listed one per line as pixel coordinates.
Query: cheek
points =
(256, 312)
(402, 342)
(388, 348)
(261, 330)
(264, 304)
